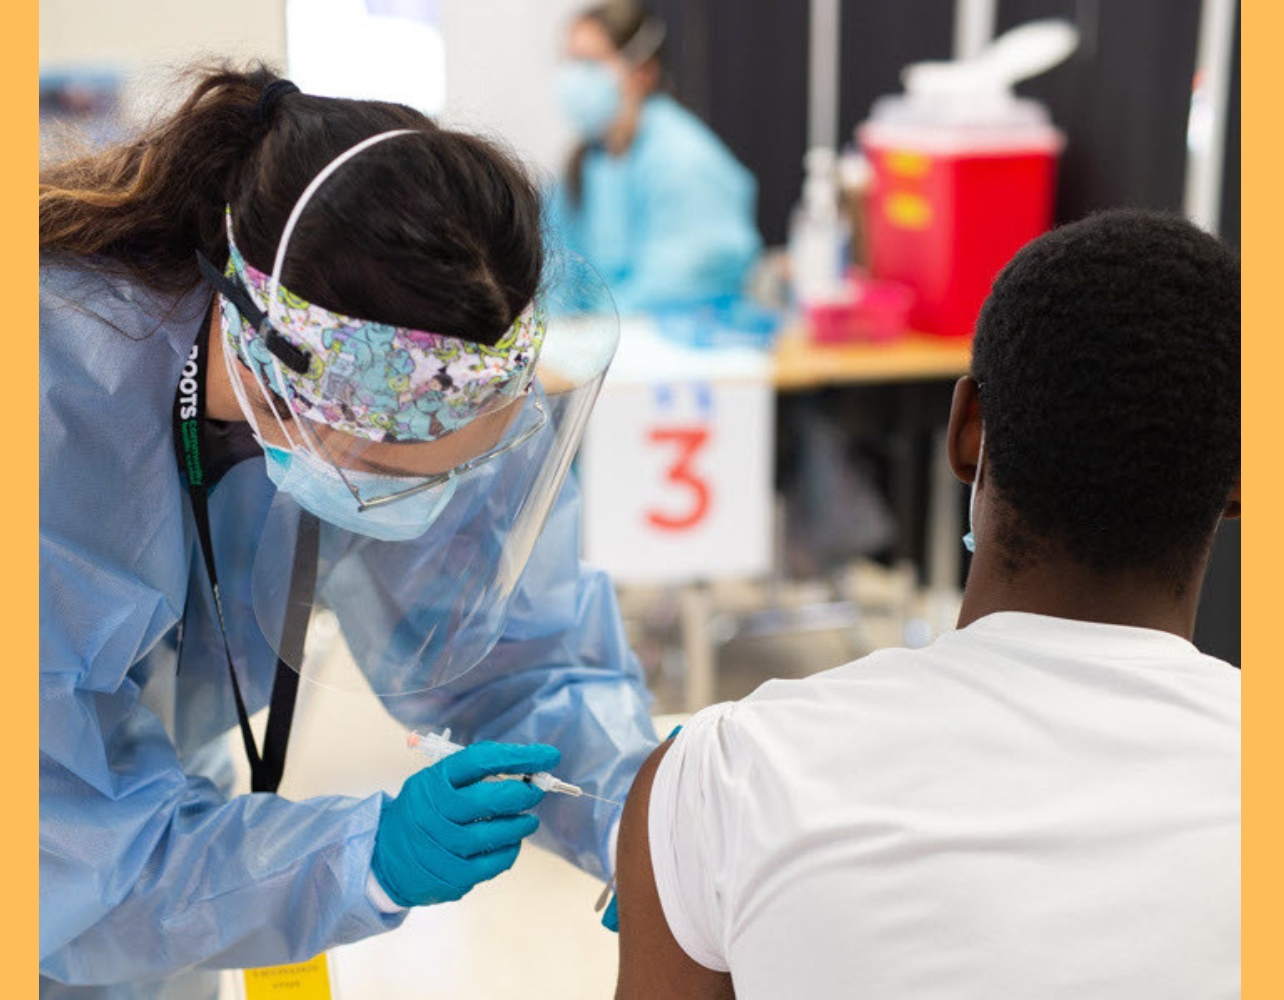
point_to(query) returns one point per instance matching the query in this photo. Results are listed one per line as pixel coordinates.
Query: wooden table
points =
(800, 365)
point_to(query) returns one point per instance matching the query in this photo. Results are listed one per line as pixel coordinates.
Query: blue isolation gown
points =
(668, 222)
(150, 873)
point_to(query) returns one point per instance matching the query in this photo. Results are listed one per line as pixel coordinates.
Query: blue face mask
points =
(318, 488)
(590, 96)
(969, 540)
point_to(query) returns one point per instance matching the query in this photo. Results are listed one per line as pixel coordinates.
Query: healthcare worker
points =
(304, 362)
(651, 197)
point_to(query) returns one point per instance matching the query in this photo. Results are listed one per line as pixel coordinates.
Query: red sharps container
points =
(964, 176)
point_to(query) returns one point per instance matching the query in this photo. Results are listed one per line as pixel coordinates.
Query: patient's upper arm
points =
(652, 964)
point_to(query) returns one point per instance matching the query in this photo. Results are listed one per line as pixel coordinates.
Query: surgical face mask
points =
(318, 488)
(969, 540)
(590, 95)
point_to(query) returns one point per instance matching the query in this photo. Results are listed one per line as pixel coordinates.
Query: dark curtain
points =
(1217, 630)
(741, 65)
(878, 41)
(1123, 99)
(1230, 193)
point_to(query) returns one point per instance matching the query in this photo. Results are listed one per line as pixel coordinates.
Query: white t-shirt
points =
(1030, 807)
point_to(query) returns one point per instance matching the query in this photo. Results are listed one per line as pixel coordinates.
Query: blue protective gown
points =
(148, 869)
(668, 222)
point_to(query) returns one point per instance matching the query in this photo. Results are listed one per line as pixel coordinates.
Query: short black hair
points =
(1107, 356)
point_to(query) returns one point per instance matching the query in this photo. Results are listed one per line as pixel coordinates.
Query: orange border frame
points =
(1263, 222)
(19, 573)
(1263, 218)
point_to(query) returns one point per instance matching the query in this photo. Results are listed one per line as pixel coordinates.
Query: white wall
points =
(338, 48)
(500, 59)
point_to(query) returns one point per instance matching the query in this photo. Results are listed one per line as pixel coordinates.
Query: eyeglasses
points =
(524, 435)
(283, 413)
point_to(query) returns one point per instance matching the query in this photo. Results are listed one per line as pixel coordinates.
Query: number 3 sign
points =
(683, 473)
(678, 481)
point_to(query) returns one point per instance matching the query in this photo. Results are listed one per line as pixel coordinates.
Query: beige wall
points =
(144, 32)
(148, 39)
(500, 55)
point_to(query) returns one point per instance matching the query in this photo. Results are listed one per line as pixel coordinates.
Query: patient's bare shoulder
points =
(652, 964)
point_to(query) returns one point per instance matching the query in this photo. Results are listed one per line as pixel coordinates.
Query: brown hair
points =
(438, 231)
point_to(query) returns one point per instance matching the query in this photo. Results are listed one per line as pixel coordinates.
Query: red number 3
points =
(689, 441)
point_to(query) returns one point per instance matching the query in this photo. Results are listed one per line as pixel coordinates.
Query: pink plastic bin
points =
(875, 311)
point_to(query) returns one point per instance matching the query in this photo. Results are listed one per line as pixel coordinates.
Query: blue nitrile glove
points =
(611, 918)
(447, 830)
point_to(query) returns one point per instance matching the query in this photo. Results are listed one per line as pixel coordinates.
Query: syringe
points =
(437, 746)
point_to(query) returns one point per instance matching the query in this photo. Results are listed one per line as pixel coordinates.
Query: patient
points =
(1043, 803)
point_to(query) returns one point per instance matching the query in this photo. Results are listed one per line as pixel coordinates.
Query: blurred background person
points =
(650, 196)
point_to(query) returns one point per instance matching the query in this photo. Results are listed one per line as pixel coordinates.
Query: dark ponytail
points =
(437, 231)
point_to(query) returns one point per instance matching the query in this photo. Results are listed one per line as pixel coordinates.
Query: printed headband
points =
(371, 380)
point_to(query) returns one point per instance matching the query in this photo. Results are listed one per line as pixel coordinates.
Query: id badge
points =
(302, 981)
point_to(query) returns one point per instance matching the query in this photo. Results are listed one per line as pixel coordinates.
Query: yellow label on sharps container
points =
(304, 981)
(908, 210)
(904, 163)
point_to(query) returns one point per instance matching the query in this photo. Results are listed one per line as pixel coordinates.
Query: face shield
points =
(431, 463)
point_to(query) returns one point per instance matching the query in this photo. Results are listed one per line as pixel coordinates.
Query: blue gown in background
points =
(670, 221)
(148, 869)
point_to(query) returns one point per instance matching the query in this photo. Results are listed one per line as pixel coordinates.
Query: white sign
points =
(678, 480)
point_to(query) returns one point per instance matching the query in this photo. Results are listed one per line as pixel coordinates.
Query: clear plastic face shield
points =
(430, 463)
(388, 490)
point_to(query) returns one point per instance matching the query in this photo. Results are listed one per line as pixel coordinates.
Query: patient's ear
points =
(1232, 509)
(963, 440)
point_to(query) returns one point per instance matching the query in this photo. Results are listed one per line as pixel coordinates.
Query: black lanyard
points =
(194, 469)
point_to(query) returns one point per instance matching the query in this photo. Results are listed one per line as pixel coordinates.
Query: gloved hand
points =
(611, 918)
(447, 830)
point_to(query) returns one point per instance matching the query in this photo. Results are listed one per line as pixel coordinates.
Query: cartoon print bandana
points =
(374, 381)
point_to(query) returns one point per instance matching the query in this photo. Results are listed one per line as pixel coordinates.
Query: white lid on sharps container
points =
(968, 106)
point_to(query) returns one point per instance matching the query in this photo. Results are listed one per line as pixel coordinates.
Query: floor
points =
(533, 931)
